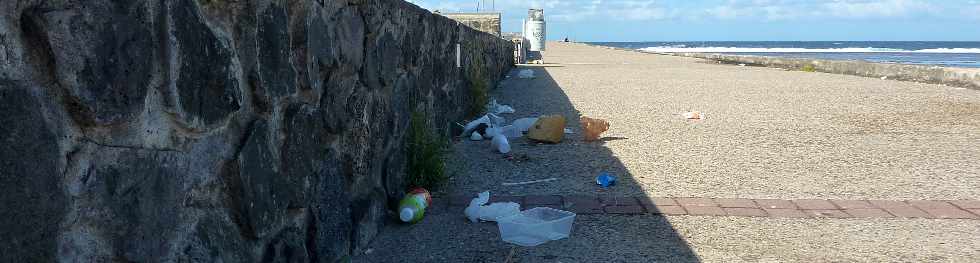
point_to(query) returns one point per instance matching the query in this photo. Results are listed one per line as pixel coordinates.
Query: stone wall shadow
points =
(575, 163)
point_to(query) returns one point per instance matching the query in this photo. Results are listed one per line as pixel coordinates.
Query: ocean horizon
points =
(964, 54)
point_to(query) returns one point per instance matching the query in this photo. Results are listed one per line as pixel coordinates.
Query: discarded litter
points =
(475, 136)
(536, 226)
(568, 131)
(474, 124)
(531, 182)
(495, 108)
(493, 212)
(593, 127)
(491, 132)
(489, 120)
(694, 115)
(519, 158)
(481, 128)
(412, 207)
(549, 128)
(526, 74)
(605, 180)
(517, 128)
(884, 77)
(501, 144)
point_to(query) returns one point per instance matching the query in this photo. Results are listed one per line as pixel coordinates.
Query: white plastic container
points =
(536, 226)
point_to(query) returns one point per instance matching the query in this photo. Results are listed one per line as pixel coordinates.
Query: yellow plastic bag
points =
(549, 128)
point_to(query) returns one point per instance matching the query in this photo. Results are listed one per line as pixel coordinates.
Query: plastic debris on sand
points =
(549, 128)
(526, 74)
(605, 180)
(501, 144)
(593, 127)
(479, 210)
(495, 108)
(694, 115)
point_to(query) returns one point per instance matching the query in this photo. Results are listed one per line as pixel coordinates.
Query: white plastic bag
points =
(473, 124)
(501, 144)
(493, 212)
(473, 210)
(524, 124)
(495, 108)
(492, 132)
(518, 127)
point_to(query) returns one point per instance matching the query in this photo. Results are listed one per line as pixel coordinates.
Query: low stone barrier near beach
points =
(960, 77)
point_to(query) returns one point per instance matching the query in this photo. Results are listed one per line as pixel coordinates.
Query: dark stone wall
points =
(217, 130)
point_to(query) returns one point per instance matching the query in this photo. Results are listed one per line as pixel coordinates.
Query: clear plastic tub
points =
(535, 226)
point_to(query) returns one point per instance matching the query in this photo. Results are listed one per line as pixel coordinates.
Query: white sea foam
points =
(677, 49)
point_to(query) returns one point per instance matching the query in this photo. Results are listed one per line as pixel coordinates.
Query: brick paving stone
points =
(888, 204)
(868, 213)
(668, 210)
(832, 213)
(619, 201)
(503, 198)
(925, 204)
(542, 200)
(651, 201)
(853, 204)
(694, 201)
(743, 211)
(735, 202)
(814, 204)
(625, 209)
(906, 212)
(582, 204)
(782, 212)
(775, 204)
(580, 199)
(949, 213)
(975, 211)
(966, 204)
(704, 210)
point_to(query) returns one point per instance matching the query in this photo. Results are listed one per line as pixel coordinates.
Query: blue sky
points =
(740, 20)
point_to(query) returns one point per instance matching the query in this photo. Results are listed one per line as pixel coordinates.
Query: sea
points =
(937, 53)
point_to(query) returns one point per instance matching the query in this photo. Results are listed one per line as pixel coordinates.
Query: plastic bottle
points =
(412, 207)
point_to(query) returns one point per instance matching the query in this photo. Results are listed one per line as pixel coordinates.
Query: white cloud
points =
(877, 9)
(566, 10)
(764, 10)
(843, 9)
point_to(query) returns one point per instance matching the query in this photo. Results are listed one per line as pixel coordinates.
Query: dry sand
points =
(769, 133)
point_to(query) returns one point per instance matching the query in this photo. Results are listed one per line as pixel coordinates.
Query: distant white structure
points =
(534, 29)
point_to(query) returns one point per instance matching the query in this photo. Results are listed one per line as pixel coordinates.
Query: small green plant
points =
(478, 87)
(809, 68)
(426, 152)
(478, 96)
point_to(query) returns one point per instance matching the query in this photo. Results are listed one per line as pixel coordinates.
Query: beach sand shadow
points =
(446, 236)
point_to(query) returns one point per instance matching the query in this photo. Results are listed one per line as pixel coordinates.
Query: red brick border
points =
(699, 206)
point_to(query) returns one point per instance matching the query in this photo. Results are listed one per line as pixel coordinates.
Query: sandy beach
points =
(769, 133)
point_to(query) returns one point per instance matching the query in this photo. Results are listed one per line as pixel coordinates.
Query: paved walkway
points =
(800, 208)
(788, 167)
